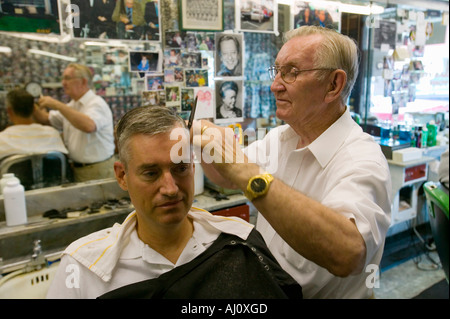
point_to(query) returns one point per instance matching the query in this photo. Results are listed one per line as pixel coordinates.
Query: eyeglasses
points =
(289, 73)
(68, 78)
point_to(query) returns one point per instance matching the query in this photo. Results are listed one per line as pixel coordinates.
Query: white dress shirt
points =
(87, 147)
(345, 170)
(31, 138)
(115, 257)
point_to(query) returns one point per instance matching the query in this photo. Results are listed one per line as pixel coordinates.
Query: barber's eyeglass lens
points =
(288, 74)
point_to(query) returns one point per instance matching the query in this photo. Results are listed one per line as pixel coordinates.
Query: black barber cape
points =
(231, 268)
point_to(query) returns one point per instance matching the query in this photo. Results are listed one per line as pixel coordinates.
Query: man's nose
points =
(169, 186)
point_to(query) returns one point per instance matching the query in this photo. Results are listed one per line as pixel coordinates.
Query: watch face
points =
(258, 185)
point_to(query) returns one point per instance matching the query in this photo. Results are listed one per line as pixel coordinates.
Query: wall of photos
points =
(186, 62)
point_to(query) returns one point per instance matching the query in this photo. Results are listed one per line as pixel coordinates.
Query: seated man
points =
(166, 248)
(26, 136)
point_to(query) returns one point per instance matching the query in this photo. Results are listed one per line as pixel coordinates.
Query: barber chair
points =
(37, 170)
(437, 203)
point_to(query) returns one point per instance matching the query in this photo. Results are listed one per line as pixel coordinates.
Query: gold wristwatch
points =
(258, 186)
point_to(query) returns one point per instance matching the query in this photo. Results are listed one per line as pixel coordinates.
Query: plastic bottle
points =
(7, 177)
(15, 207)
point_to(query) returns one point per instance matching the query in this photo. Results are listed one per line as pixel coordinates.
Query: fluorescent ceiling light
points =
(51, 38)
(110, 43)
(366, 10)
(52, 55)
(5, 50)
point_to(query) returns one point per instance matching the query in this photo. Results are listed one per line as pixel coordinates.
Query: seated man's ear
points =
(119, 171)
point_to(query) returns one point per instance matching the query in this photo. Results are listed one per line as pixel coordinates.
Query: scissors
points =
(191, 117)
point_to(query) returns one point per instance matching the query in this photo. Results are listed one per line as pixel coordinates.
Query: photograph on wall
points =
(196, 77)
(229, 101)
(257, 15)
(116, 19)
(154, 82)
(385, 35)
(201, 15)
(144, 61)
(175, 39)
(173, 95)
(187, 99)
(152, 98)
(191, 59)
(318, 14)
(228, 54)
(205, 102)
(35, 16)
(172, 57)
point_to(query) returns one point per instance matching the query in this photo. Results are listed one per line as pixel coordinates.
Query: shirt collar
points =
(326, 145)
(85, 98)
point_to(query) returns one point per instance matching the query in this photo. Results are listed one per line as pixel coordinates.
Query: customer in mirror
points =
(165, 239)
(25, 135)
(324, 195)
(86, 123)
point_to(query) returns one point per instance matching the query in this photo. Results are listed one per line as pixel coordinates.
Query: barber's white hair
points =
(335, 51)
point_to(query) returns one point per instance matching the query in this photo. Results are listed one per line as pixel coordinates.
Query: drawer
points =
(415, 172)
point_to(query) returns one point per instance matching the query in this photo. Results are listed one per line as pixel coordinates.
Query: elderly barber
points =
(86, 123)
(321, 185)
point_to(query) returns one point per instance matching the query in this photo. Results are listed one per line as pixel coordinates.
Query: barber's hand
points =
(47, 101)
(218, 145)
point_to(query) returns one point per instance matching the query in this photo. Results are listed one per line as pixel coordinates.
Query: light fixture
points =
(5, 49)
(52, 55)
(366, 10)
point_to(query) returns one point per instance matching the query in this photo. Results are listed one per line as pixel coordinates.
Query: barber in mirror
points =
(86, 123)
(321, 185)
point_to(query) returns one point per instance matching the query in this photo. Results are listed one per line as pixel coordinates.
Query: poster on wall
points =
(257, 16)
(35, 16)
(229, 101)
(228, 54)
(319, 14)
(116, 19)
(201, 15)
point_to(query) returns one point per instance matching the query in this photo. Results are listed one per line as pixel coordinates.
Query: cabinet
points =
(406, 177)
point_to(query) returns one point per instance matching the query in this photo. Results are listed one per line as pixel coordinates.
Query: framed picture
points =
(229, 101)
(257, 15)
(228, 54)
(201, 15)
(144, 61)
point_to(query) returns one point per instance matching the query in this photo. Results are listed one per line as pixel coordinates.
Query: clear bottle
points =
(6, 177)
(15, 206)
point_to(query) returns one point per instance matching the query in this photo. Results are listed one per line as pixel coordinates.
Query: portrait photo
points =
(229, 101)
(144, 61)
(228, 54)
(172, 58)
